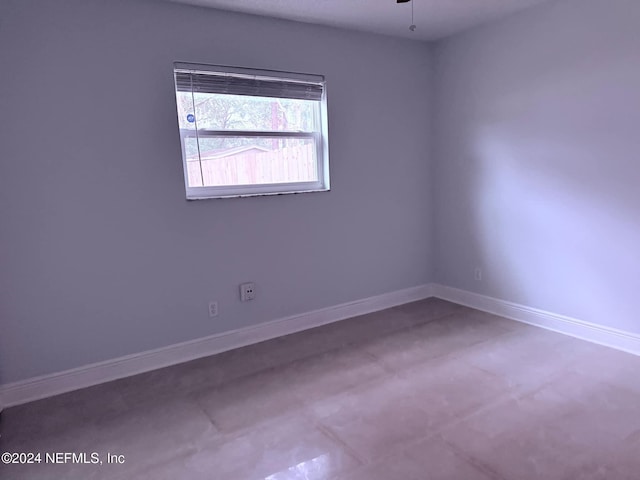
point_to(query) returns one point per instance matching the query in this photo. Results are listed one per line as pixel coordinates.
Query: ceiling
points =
(434, 18)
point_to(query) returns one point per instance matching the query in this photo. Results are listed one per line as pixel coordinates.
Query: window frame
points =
(319, 136)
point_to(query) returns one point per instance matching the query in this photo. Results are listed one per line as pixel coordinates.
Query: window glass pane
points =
(186, 118)
(241, 112)
(250, 161)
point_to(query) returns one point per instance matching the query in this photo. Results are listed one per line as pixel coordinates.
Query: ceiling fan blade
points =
(403, 1)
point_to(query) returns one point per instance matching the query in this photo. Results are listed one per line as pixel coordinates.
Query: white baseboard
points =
(96, 373)
(591, 332)
(48, 385)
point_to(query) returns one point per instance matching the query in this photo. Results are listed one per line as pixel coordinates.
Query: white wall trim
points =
(48, 385)
(52, 384)
(591, 332)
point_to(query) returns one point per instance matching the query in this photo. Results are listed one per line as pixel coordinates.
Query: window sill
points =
(254, 194)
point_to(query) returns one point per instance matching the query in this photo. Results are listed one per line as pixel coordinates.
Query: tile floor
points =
(429, 390)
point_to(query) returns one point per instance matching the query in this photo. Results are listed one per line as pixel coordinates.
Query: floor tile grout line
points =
(213, 423)
(331, 435)
(472, 460)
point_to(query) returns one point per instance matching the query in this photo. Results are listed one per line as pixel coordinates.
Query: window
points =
(251, 132)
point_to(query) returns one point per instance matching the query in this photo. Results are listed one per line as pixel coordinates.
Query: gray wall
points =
(538, 160)
(102, 256)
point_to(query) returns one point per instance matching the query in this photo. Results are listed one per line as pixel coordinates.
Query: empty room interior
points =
(300, 239)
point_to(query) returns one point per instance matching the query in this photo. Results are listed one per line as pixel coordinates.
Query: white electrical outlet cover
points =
(247, 292)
